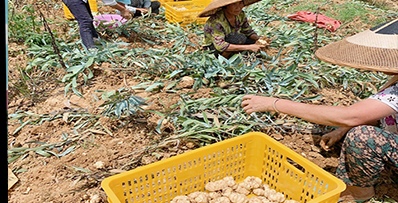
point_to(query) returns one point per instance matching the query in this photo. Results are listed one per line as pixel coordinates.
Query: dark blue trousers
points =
(82, 13)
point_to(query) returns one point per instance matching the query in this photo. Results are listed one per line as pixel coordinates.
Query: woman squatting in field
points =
(367, 147)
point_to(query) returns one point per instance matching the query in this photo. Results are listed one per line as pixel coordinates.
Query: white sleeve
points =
(109, 2)
(131, 9)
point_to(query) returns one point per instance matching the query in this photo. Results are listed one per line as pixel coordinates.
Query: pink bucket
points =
(113, 20)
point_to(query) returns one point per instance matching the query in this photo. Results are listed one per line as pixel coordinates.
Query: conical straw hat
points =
(216, 5)
(375, 49)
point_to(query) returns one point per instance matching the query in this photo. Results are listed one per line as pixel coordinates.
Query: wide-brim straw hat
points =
(217, 5)
(375, 49)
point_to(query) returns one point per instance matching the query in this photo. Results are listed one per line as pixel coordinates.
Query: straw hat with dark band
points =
(375, 49)
(216, 5)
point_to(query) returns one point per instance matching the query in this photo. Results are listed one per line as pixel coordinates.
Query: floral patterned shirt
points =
(218, 27)
(389, 96)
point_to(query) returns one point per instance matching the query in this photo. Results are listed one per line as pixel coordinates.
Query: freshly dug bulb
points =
(227, 191)
(242, 189)
(276, 197)
(180, 199)
(238, 198)
(214, 195)
(216, 185)
(261, 41)
(269, 192)
(258, 192)
(220, 200)
(252, 182)
(199, 197)
(265, 187)
(255, 200)
(229, 180)
(212, 186)
(264, 199)
(291, 201)
(264, 41)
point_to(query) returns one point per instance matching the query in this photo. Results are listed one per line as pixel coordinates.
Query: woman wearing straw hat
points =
(227, 30)
(367, 148)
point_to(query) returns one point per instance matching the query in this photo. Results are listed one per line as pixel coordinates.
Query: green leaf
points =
(81, 169)
(90, 74)
(67, 151)
(77, 92)
(18, 149)
(66, 90)
(174, 73)
(67, 77)
(75, 69)
(20, 127)
(156, 85)
(171, 85)
(205, 118)
(159, 125)
(90, 61)
(13, 158)
(42, 152)
(74, 82)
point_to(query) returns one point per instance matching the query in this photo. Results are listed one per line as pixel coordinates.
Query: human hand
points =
(142, 10)
(255, 47)
(125, 13)
(329, 139)
(253, 103)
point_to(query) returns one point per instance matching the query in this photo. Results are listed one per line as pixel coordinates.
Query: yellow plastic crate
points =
(93, 8)
(185, 12)
(162, 2)
(252, 154)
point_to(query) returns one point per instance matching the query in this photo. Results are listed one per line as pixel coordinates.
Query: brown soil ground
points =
(76, 177)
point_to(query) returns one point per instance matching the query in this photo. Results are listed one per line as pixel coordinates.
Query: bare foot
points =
(357, 193)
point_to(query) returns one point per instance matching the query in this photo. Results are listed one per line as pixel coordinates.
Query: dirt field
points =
(104, 145)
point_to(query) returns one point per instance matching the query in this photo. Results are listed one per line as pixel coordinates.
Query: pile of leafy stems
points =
(292, 72)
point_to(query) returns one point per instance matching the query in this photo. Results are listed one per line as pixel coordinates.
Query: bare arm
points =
(254, 37)
(364, 112)
(244, 47)
(329, 139)
(123, 10)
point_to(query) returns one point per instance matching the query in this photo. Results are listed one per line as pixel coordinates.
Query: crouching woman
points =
(367, 147)
(227, 30)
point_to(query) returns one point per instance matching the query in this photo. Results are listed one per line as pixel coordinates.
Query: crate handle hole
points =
(297, 166)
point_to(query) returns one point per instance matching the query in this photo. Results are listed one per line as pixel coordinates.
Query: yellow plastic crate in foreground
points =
(93, 8)
(162, 2)
(252, 154)
(185, 12)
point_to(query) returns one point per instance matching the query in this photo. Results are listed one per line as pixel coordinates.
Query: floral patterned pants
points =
(232, 38)
(365, 152)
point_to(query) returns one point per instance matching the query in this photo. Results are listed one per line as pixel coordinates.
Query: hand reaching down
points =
(331, 138)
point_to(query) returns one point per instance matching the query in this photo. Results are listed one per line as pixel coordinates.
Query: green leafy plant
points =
(121, 103)
(44, 149)
(24, 26)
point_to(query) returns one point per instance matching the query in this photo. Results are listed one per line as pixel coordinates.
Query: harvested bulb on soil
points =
(227, 190)
(264, 41)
